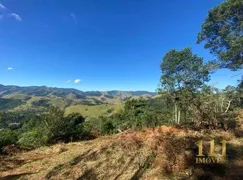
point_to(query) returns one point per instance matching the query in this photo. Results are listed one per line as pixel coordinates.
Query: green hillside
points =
(90, 103)
(95, 111)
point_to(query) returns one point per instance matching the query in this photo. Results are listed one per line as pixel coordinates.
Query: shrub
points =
(7, 137)
(92, 127)
(61, 128)
(33, 139)
(75, 118)
(107, 127)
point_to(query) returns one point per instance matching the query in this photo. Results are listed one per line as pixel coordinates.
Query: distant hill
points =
(36, 97)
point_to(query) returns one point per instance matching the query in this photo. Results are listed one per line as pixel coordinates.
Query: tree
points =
(183, 73)
(222, 33)
(61, 128)
(215, 108)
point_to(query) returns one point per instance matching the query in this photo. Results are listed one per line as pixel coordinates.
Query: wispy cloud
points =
(16, 16)
(68, 81)
(73, 17)
(77, 81)
(5, 12)
(2, 6)
(10, 68)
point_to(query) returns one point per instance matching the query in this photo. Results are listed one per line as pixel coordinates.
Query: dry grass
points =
(165, 152)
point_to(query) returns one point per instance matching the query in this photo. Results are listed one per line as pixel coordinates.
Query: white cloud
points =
(7, 13)
(16, 16)
(68, 81)
(2, 6)
(77, 81)
(10, 68)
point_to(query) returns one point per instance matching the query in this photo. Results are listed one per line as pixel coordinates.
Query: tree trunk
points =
(179, 117)
(175, 113)
(228, 106)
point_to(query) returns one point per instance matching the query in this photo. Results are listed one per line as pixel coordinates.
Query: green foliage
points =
(107, 126)
(183, 70)
(3, 122)
(183, 75)
(42, 129)
(100, 126)
(146, 113)
(7, 118)
(32, 124)
(137, 114)
(222, 31)
(7, 104)
(7, 137)
(214, 108)
(75, 118)
(183, 83)
(41, 102)
(61, 128)
(234, 94)
(240, 92)
(33, 139)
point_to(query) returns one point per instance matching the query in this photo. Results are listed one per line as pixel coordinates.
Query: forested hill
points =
(16, 97)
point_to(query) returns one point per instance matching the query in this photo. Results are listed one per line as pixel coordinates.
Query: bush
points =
(7, 137)
(92, 126)
(33, 139)
(144, 113)
(100, 126)
(107, 127)
(75, 118)
(61, 128)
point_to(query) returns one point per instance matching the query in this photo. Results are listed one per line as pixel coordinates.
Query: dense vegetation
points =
(31, 130)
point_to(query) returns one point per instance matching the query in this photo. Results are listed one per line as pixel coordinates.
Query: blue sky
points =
(98, 44)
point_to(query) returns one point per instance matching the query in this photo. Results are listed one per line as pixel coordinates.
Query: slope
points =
(164, 152)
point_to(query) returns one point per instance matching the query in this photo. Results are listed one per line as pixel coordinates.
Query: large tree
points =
(183, 74)
(183, 70)
(222, 33)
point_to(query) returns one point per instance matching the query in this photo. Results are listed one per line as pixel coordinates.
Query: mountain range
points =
(35, 97)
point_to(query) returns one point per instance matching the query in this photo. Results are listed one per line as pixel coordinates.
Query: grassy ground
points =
(161, 153)
(94, 111)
